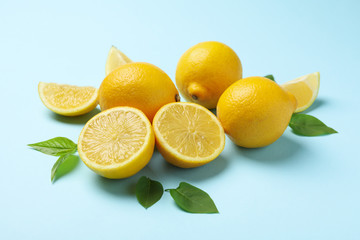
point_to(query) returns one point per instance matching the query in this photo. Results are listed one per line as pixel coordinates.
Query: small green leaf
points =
(271, 77)
(55, 146)
(148, 191)
(192, 199)
(307, 125)
(66, 166)
(63, 165)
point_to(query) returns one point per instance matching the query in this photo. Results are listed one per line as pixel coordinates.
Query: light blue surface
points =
(296, 188)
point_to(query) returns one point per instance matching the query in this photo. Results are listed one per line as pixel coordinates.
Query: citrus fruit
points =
(205, 70)
(139, 85)
(115, 59)
(187, 134)
(255, 111)
(68, 100)
(305, 89)
(117, 143)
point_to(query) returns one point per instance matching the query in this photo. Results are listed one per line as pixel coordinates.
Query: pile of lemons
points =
(140, 107)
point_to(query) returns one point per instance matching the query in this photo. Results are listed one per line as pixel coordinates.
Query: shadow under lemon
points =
(279, 152)
(81, 120)
(317, 103)
(127, 186)
(158, 169)
(197, 174)
(117, 187)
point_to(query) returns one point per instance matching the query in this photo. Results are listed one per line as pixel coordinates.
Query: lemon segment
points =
(117, 143)
(187, 134)
(305, 89)
(68, 100)
(115, 59)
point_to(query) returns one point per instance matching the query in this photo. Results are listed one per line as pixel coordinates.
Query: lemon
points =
(305, 89)
(139, 85)
(205, 70)
(117, 143)
(68, 100)
(187, 134)
(255, 111)
(115, 59)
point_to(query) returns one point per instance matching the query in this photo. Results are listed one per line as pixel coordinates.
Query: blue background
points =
(296, 188)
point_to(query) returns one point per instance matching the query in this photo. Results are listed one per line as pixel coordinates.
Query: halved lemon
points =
(117, 143)
(68, 100)
(305, 89)
(115, 59)
(187, 134)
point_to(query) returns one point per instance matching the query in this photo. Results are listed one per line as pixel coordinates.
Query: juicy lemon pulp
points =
(303, 92)
(111, 138)
(117, 143)
(66, 96)
(115, 59)
(188, 135)
(68, 100)
(305, 89)
(189, 132)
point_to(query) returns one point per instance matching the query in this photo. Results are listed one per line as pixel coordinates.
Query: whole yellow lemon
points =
(204, 72)
(255, 111)
(140, 85)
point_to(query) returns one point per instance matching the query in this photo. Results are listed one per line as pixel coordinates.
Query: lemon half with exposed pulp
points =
(117, 143)
(187, 134)
(68, 100)
(305, 89)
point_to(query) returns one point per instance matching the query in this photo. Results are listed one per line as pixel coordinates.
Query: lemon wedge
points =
(115, 59)
(117, 143)
(68, 100)
(305, 89)
(187, 134)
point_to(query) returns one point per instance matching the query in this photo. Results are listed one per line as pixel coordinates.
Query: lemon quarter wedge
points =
(68, 100)
(305, 89)
(115, 59)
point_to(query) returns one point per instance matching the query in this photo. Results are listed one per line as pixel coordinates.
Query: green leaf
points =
(55, 146)
(148, 191)
(63, 165)
(307, 125)
(192, 199)
(271, 77)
